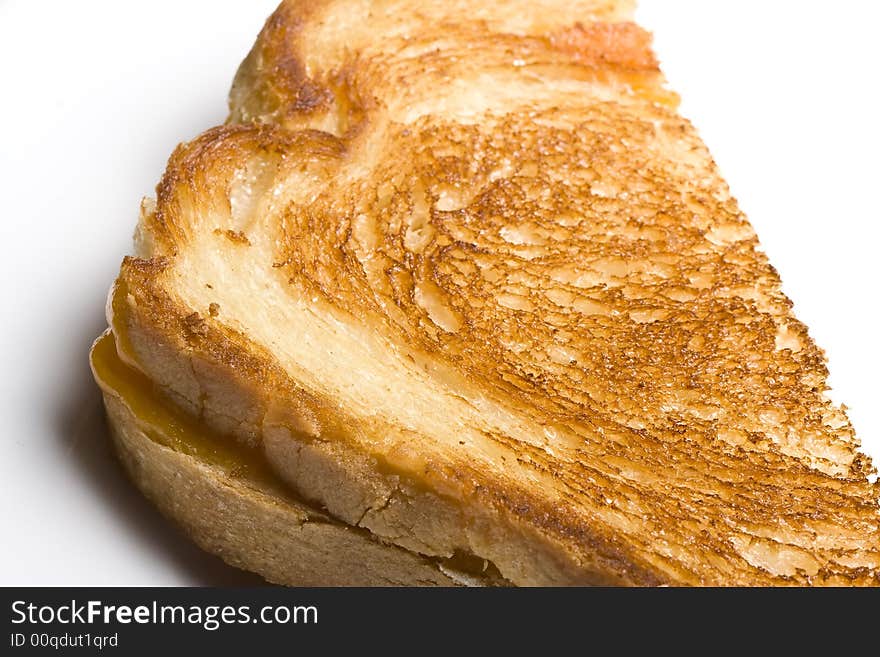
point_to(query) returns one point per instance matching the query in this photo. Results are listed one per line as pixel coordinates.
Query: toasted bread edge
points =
(283, 542)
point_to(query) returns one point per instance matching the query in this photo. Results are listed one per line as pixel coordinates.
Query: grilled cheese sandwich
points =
(467, 289)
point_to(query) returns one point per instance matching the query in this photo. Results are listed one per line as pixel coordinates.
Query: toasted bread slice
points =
(466, 279)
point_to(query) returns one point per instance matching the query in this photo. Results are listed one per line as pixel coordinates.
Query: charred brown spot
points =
(235, 236)
(195, 325)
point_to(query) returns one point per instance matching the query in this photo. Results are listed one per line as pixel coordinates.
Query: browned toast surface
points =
(471, 283)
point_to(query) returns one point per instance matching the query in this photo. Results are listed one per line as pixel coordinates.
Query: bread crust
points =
(283, 540)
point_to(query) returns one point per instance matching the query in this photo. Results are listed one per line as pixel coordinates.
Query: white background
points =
(95, 95)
